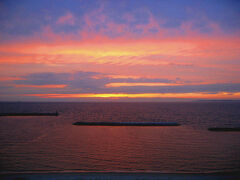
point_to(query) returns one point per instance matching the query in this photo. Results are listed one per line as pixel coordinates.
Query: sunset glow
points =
(220, 95)
(120, 49)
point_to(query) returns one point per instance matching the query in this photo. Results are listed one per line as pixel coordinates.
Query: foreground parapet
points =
(121, 175)
(126, 123)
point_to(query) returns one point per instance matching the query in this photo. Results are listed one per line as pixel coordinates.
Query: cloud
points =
(9, 78)
(88, 81)
(193, 58)
(67, 19)
(44, 79)
(93, 82)
(141, 84)
(97, 85)
(42, 86)
(103, 49)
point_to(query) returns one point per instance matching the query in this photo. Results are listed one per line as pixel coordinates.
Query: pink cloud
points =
(67, 19)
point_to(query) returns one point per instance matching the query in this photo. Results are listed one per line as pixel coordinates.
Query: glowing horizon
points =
(205, 95)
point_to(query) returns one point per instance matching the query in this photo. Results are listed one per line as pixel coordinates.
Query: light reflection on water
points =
(54, 144)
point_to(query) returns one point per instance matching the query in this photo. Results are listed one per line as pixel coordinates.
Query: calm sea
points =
(48, 144)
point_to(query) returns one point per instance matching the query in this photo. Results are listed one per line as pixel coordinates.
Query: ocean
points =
(53, 144)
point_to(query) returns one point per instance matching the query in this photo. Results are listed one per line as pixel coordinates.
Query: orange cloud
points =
(141, 84)
(194, 58)
(10, 78)
(200, 95)
(138, 51)
(114, 76)
(42, 86)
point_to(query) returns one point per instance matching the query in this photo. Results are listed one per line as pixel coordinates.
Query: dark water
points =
(49, 144)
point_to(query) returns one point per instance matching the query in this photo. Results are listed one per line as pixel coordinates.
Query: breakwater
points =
(126, 123)
(29, 114)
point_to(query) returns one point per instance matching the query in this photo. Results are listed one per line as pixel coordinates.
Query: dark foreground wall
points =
(120, 176)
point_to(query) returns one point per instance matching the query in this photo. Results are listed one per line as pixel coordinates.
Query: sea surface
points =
(53, 144)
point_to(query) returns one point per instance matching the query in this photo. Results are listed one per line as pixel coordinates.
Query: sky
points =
(128, 50)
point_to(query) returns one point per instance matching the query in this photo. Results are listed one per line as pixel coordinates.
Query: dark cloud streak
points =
(93, 82)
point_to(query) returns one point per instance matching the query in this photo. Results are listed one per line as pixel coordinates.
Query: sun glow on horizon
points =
(204, 95)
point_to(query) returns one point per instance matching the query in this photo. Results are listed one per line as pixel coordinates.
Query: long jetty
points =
(126, 123)
(29, 114)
